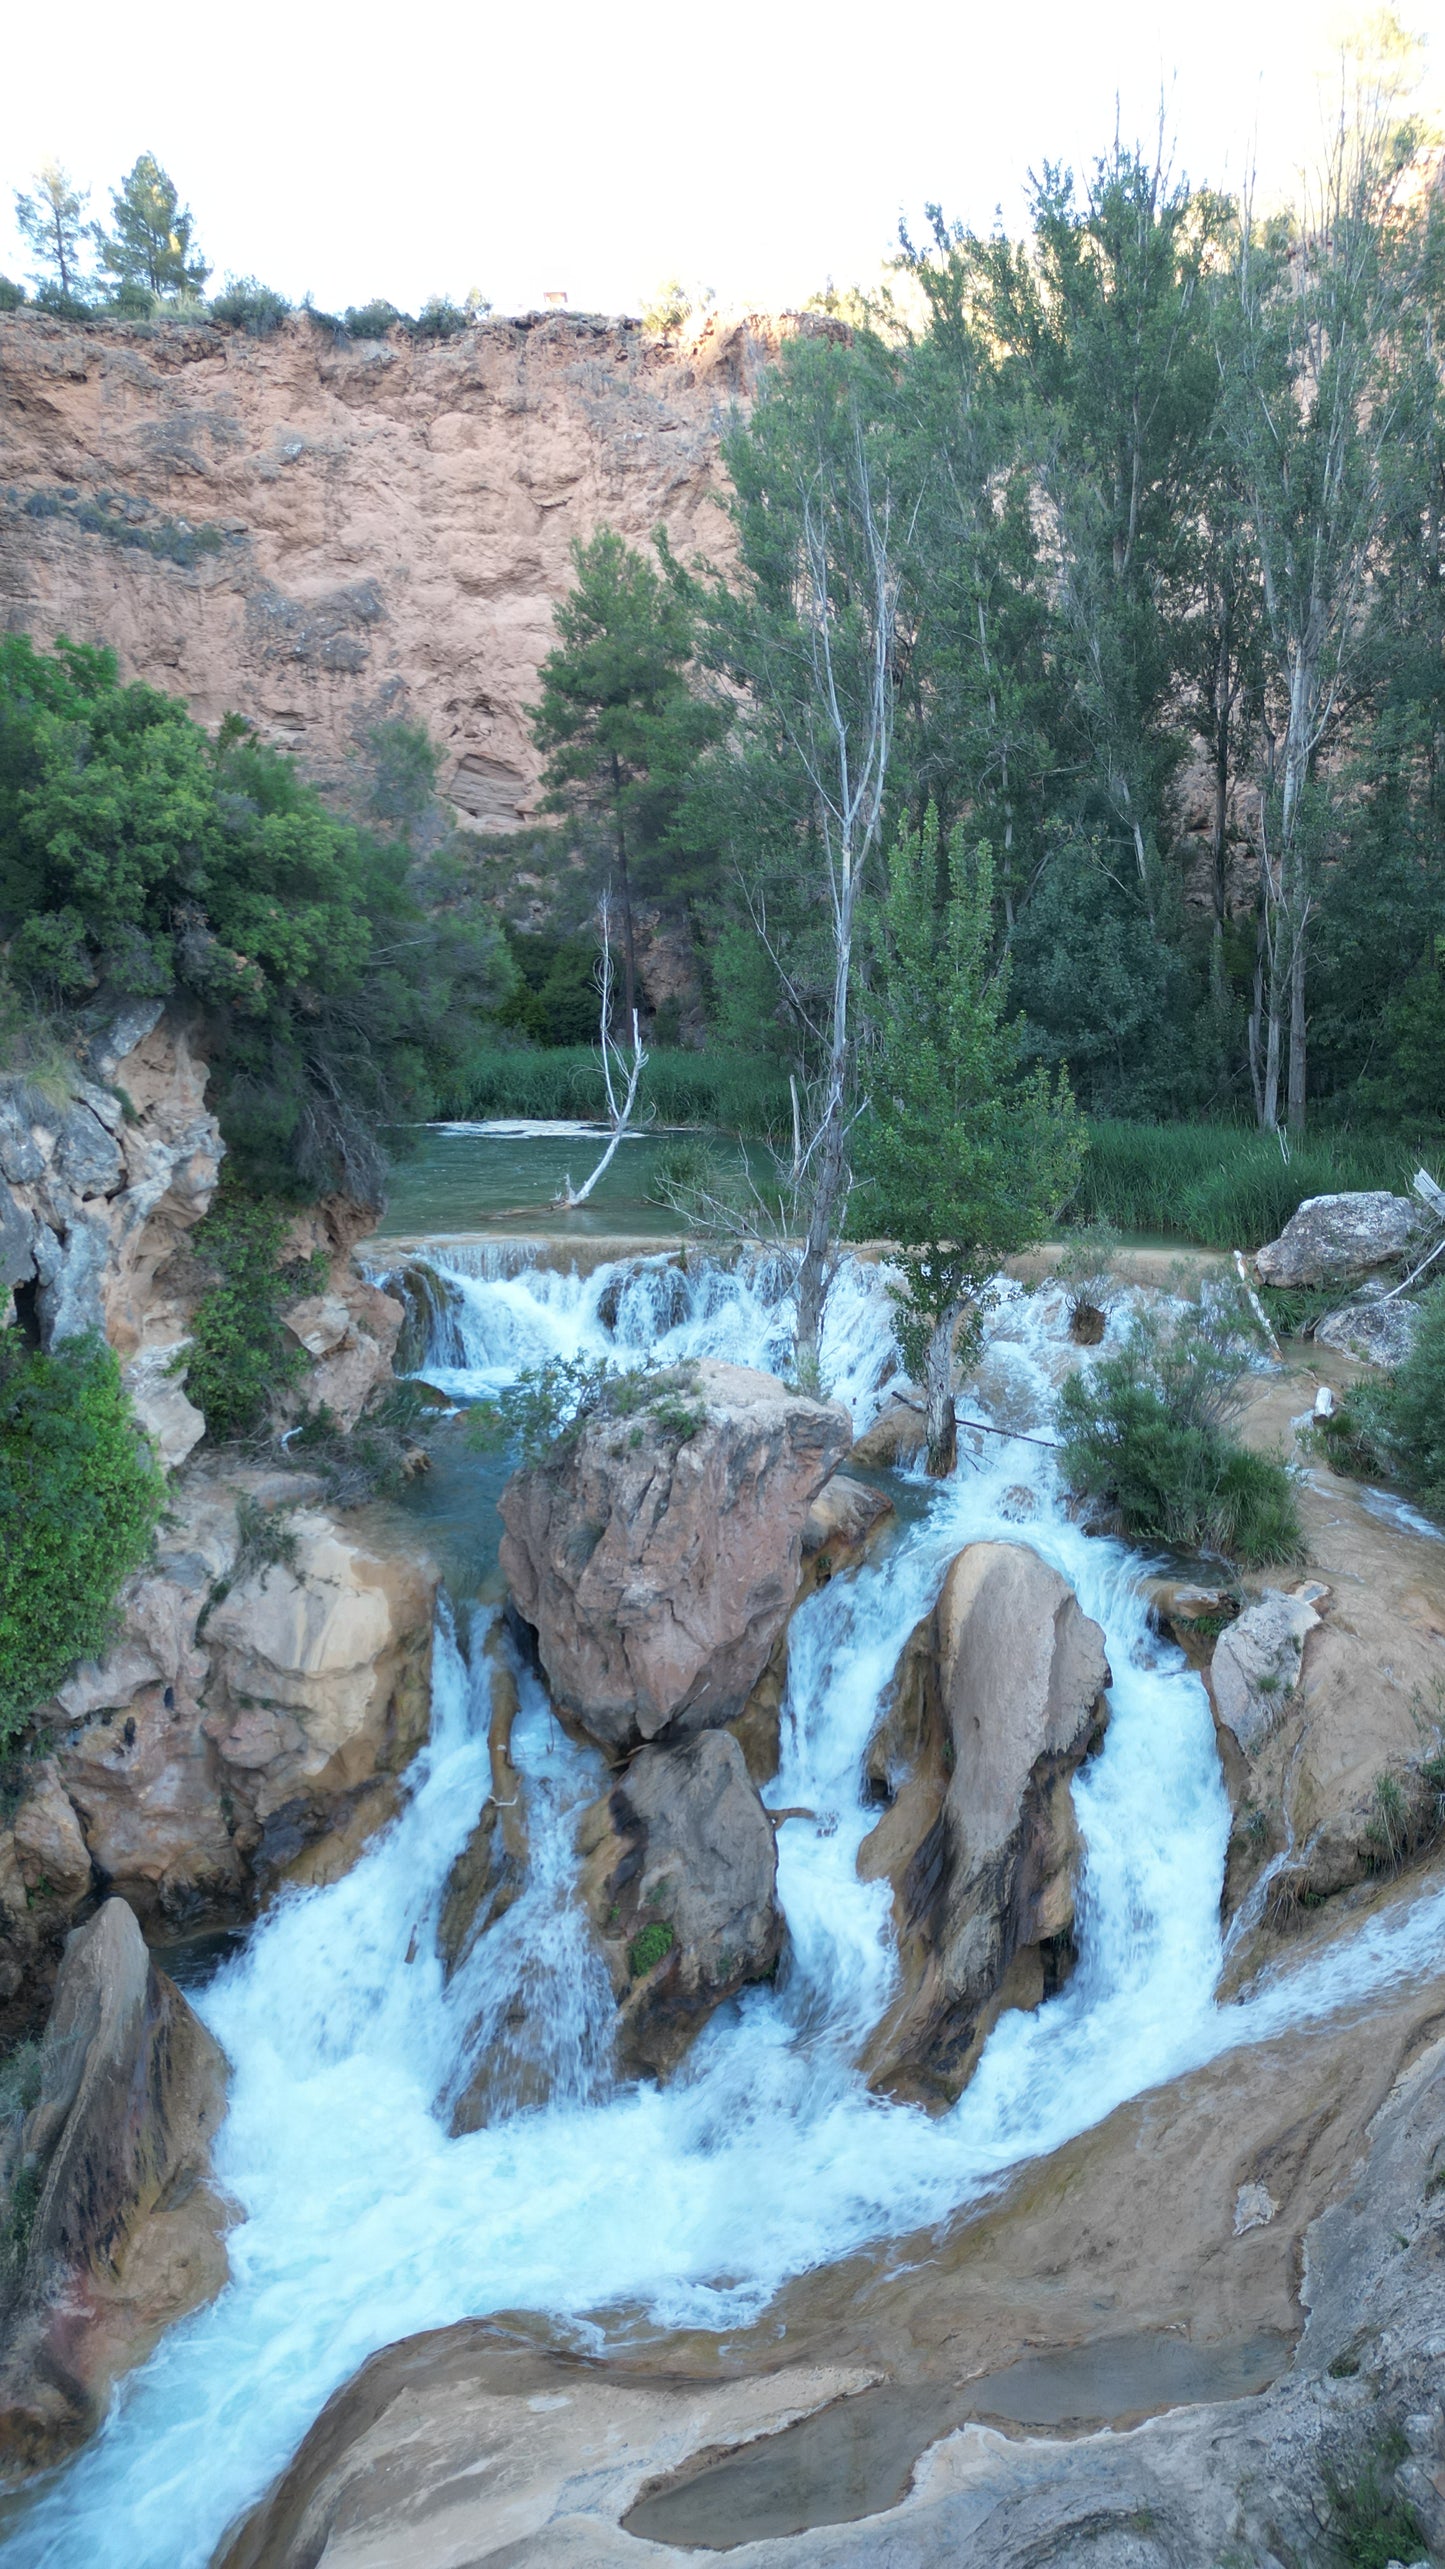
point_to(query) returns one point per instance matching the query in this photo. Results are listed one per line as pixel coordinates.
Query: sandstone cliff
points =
(324, 535)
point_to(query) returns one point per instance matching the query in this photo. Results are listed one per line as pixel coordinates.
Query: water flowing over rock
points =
(112, 2231)
(658, 1573)
(680, 1876)
(1336, 1239)
(998, 1698)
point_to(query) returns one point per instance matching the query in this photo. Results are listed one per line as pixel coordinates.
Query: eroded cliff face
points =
(323, 535)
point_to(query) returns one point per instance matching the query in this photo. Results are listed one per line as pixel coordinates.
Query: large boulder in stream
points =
(998, 1698)
(679, 1874)
(657, 1566)
(1338, 1239)
(110, 2230)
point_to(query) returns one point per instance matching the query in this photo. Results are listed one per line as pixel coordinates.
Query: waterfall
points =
(364, 2220)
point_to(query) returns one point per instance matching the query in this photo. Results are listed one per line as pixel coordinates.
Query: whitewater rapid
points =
(363, 2221)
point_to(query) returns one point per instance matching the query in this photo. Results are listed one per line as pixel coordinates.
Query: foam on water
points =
(364, 2220)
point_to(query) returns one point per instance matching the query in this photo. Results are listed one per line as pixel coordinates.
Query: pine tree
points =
(617, 719)
(52, 222)
(152, 247)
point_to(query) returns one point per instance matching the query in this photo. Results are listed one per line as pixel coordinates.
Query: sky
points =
(758, 148)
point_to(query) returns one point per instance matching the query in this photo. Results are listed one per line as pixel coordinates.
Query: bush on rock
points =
(80, 1496)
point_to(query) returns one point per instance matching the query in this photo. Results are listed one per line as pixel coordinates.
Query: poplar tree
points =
(152, 246)
(964, 1156)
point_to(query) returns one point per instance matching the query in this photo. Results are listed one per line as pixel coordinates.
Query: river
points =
(364, 2220)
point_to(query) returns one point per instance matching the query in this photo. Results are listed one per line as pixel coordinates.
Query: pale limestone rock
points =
(999, 1696)
(682, 1841)
(1378, 1333)
(118, 2146)
(658, 1573)
(50, 1851)
(1334, 1239)
(156, 1395)
(1256, 1663)
(897, 1436)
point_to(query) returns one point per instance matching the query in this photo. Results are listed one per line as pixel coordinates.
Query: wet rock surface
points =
(679, 1876)
(658, 1570)
(111, 2229)
(998, 1698)
(881, 2410)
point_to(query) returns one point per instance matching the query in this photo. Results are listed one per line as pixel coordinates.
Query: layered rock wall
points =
(322, 534)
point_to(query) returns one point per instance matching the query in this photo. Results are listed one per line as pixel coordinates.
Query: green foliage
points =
(152, 247)
(439, 318)
(542, 1413)
(1396, 1425)
(555, 1000)
(241, 1357)
(404, 764)
(378, 1456)
(12, 296)
(52, 221)
(649, 1946)
(1147, 1430)
(371, 320)
(246, 304)
(724, 1089)
(80, 1496)
(618, 721)
(963, 1157)
(1370, 2524)
(334, 969)
(1221, 1184)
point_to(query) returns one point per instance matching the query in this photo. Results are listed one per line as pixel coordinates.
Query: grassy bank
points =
(1226, 1187)
(1217, 1184)
(737, 1094)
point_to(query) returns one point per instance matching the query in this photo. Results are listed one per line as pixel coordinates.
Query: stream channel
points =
(363, 2220)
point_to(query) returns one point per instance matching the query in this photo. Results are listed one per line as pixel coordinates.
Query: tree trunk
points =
(1256, 1021)
(1297, 1035)
(1270, 1116)
(815, 1272)
(624, 886)
(938, 1384)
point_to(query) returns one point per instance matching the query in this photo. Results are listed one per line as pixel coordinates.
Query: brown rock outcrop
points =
(248, 1726)
(680, 1876)
(321, 535)
(658, 1570)
(349, 1327)
(113, 2232)
(999, 1697)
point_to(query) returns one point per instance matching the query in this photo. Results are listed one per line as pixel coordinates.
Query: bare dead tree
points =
(621, 1071)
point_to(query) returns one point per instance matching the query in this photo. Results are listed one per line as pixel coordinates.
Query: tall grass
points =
(1226, 1187)
(733, 1091)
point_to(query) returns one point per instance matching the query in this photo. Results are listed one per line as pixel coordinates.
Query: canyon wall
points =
(324, 534)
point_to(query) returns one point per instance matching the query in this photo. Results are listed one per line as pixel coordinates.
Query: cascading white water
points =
(366, 2221)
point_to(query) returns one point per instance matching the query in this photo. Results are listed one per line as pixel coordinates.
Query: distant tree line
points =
(148, 261)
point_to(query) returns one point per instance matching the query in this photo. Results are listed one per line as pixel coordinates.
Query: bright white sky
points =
(757, 146)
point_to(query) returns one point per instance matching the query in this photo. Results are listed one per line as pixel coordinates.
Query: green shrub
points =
(649, 1946)
(439, 318)
(1396, 1426)
(1369, 2525)
(80, 1496)
(248, 305)
(1146, 1429)
(541, 1414)
(241, 1356)
(11, 295)
(372, 320)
